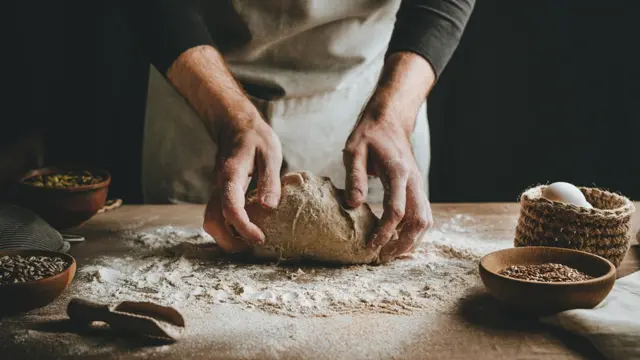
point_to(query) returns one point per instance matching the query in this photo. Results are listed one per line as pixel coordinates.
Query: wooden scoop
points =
(141, 318)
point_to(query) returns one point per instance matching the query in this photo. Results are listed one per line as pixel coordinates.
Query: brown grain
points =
(549, 272)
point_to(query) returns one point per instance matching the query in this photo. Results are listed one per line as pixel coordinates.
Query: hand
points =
(248, 148)
(380, 145)
(216, 226)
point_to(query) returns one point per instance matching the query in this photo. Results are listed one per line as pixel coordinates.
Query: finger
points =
(395, 184)
(214, 225)
(356, 184)
(269, 180)
(416, 221)
(235, 181)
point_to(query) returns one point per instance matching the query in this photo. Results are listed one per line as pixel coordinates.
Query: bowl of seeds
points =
(30, 279)
(547, 280)
(64, 197)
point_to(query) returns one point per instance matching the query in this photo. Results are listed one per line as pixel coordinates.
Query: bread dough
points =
(312, 223)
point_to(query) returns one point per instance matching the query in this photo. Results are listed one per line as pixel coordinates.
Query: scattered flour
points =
(181, 267)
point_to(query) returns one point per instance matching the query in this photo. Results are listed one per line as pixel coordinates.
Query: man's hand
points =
(380, 145)
(247, 146)
(251, 150)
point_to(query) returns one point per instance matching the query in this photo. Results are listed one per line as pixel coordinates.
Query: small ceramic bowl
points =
(64, 208)
(544, 297)
(26, 296)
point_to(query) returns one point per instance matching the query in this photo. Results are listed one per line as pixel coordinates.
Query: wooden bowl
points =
(22, 297)
(64, 208)
(542, 297)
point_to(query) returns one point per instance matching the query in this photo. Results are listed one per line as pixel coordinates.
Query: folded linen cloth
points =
(613, 327)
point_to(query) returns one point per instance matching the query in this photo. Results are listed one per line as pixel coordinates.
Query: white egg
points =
(566, 193)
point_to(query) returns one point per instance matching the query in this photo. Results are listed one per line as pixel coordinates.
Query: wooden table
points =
(481, 331)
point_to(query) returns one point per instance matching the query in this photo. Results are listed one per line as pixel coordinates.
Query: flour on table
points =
(179, 267)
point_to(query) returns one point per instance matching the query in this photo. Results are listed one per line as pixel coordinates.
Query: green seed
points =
(67, 179)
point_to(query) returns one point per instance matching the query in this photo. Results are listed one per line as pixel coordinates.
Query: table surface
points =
(483, 331)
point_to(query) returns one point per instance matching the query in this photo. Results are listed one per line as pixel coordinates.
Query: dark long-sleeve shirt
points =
(430, 28)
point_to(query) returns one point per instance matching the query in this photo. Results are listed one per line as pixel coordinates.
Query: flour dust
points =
(181, 267)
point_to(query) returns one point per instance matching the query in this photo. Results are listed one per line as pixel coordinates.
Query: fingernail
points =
(270, 201)
(374, 241)
(355, 195)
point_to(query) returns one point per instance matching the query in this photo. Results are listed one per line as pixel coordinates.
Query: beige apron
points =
(309, 66)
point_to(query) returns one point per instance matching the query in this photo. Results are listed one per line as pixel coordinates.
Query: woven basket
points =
(602, 230)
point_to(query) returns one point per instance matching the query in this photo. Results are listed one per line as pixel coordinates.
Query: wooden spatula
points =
(140, 318)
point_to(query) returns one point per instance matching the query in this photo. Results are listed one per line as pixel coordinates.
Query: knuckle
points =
(352, 151)
(420, 223)
(228, 168)
(396, 212)
(401, 168)
(229, 208)
(227, 201)
(230, 213)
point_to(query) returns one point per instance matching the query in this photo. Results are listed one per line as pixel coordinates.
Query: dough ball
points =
(311, 223)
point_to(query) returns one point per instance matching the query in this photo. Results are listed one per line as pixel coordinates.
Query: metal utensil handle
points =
(85, 311)
(73, 238)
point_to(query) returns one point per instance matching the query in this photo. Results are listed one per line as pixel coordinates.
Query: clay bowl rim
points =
(35, 252)
(610, 273)
(56, 169)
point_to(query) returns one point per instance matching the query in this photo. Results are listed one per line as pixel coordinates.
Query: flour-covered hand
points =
(247, 146)
(380, 145)
(246, 149)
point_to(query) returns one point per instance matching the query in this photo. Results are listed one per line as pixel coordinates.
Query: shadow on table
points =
(481, 310)
(631, 262)
(97, 333)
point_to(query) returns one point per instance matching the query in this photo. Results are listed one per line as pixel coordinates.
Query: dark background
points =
(538, 91)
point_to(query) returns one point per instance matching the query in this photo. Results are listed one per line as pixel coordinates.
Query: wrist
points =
(409, 74)
(404, 85)
(203, 79)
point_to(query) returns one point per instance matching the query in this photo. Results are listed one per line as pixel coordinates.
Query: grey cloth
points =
(22, 229)
(613, 327)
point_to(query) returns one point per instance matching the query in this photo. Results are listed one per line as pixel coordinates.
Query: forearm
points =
(431, 29)
(404, 84)
(179, 45)
(425, 36)
(202, 77)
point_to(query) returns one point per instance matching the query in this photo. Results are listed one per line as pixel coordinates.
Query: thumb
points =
(215, 225)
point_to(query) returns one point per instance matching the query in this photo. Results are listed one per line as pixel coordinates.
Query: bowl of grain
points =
(30, 279)
(547, 280)
(64, 197)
